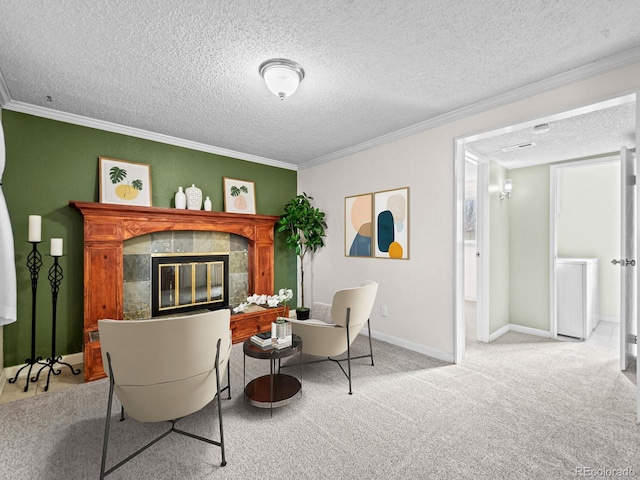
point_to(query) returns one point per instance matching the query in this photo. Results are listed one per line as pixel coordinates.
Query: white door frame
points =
(482, 247)
(458, 223)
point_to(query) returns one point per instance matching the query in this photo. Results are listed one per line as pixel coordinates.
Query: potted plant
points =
(305, 227)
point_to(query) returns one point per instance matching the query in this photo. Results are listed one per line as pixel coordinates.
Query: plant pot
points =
(303, 313)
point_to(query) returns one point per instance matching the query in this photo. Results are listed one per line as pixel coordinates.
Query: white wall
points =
(499, 246)
(420, 291)
(588, 224)
(408, 287)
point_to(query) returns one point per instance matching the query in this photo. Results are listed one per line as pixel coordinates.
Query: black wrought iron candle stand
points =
(55, 278)
(34, 262)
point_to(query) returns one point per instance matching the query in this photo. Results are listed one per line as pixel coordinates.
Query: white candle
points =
(35, 228)
(56, 247)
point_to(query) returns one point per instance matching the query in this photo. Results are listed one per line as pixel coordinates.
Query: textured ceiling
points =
(591, 134)
(190, 69)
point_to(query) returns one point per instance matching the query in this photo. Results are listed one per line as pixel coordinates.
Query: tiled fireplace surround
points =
(137, 264)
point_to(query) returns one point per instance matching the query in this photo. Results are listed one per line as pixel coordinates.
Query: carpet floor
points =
(519, 408)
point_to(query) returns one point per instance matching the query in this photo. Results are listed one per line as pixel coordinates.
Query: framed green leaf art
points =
(125, 183)
(239, 196)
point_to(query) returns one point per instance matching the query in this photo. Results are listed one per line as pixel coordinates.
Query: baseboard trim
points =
(431, 352)
(608, 319)
(510, 327)
(71, 359)
(498, 333)
(530, 331)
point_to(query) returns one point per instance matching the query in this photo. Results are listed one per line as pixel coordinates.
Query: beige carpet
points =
(520, 408)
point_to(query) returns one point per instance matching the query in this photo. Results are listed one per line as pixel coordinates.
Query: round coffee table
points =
(275, 389)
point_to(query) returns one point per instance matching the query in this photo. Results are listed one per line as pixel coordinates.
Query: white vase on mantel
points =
(194, 198)
(207, 204)
(180, 199)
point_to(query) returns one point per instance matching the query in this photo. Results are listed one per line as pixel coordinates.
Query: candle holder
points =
(55, 278)
(34, 262)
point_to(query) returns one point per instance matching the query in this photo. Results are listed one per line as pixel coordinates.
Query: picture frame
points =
(239, 196)
(358, 225)
(391, 224)
(124, 183)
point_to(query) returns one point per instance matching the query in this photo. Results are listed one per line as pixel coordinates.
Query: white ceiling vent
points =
(518, 147)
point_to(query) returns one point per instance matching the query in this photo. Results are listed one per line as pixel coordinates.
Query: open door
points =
(627, 262)
(629, 286)
(482, 247)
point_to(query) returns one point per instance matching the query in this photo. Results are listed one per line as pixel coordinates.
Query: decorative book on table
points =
(283, 342)
(262, 339)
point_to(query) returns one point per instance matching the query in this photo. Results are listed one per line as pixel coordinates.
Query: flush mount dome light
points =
(281, 76)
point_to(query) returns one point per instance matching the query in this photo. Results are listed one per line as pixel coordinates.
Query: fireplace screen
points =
(183, 283)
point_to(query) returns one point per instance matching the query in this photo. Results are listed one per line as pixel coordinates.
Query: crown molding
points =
(572, 76)
(598, 67)
(21, 107)
(74, 119)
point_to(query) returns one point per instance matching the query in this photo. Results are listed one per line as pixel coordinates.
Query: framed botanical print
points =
(239, 196)
(124, 182)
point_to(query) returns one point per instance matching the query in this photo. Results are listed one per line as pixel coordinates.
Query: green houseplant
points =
(305, 227)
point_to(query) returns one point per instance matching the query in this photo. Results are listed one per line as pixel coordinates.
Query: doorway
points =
(585, 236)
(543, 257)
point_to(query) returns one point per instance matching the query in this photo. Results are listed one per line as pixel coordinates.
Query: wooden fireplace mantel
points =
(107, 226)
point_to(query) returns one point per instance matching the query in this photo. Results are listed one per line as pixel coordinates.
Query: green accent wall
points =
(50, 163)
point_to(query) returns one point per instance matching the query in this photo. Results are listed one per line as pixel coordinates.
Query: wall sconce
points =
(281, 76)
(507, 186)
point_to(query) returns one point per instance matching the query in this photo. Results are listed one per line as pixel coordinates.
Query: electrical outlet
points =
(384, 311)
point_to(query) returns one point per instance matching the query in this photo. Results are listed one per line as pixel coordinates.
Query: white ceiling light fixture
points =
(281, 76)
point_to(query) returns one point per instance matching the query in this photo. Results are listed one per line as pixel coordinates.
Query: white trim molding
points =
(511, 327)
(577, 74)
(498, 333)
(530, 331)
(612, 321)
(431, 352)
(137, 132)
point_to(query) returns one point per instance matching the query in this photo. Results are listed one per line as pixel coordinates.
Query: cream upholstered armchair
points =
(164, 369)
(334, 326)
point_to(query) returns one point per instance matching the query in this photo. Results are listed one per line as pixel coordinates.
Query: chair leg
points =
(224, 461)
(370, 347)
(229, 381)
(106, 425)
(349, 350)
